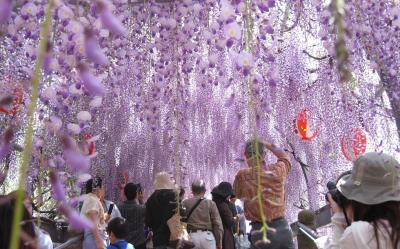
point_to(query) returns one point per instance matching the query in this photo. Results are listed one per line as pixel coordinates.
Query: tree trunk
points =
(392, 90)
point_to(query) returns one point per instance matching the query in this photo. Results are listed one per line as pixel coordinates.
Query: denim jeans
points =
(281, 239)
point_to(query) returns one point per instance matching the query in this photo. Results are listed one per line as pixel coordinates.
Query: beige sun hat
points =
(164, 180)
(374, 179)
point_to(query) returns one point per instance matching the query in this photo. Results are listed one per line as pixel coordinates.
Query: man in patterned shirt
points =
(273, 180)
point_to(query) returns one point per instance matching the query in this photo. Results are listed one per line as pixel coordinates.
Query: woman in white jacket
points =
(373, 188)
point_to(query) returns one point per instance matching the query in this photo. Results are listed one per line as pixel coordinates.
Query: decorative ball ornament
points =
(302, 126)
(353, 144)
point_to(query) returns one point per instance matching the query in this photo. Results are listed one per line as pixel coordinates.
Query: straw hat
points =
(163, 180)
(373, 180)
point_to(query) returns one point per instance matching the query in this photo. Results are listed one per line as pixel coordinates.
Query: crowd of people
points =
(365, 203)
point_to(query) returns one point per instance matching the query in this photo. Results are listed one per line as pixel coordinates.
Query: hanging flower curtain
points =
(302, 126)
(353, 144)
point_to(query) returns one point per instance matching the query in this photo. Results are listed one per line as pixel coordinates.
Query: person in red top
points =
(273, 180)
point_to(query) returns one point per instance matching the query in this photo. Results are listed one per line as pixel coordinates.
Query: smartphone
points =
(110, 209)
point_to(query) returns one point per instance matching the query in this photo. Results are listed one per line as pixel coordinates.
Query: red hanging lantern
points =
(353, 144)
(302, 126)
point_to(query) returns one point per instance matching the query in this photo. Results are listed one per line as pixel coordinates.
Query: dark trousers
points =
(142, 246)
(281, 239)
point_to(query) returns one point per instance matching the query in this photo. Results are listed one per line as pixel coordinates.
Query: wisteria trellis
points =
(163, 85)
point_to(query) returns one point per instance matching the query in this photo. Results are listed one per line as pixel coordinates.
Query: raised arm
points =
(283, 166)
(279, 153)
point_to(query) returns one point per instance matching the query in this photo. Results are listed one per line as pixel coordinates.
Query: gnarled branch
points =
(315, 57)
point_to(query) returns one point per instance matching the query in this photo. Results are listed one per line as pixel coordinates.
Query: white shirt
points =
(92, 204)
(359, 235)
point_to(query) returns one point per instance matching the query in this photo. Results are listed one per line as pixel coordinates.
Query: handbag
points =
(242, 241)
(179, 237)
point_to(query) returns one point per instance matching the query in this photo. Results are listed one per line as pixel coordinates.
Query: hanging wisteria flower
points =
(91, 83)
(229, 101)
(241, 7)
(212, 60)
(273, 77)
(75, 27)
(104, 33)
(93, 50)
(74, 128)
(84, 116)
(54, 125)
(245, 61)
(232, 31)
(29, 9)
(57, 187)
(110, 22)
(197, 8)
(227, 11)
(75, 89)
(57, 162)
(74, 157)
(49, 63)
(96, 102)
(49, 95)
(5, 10)
(65, 13)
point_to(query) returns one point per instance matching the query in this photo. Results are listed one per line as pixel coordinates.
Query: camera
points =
(340, 199)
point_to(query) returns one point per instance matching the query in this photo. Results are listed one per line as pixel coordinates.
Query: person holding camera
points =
(373, 210)
(273, 181)
(134, 212)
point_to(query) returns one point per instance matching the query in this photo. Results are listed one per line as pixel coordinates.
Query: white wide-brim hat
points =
(164, 180)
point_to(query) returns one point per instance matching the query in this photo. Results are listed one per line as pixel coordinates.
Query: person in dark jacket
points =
(221, 196)
(160, 207)
(134, 213)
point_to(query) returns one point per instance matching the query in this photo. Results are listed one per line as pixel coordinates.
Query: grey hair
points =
(198, 187)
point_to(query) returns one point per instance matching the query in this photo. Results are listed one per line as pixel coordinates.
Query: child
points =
(117, 231)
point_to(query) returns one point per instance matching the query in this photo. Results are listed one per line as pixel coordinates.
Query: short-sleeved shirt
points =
(92, 204)
(273, 186)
